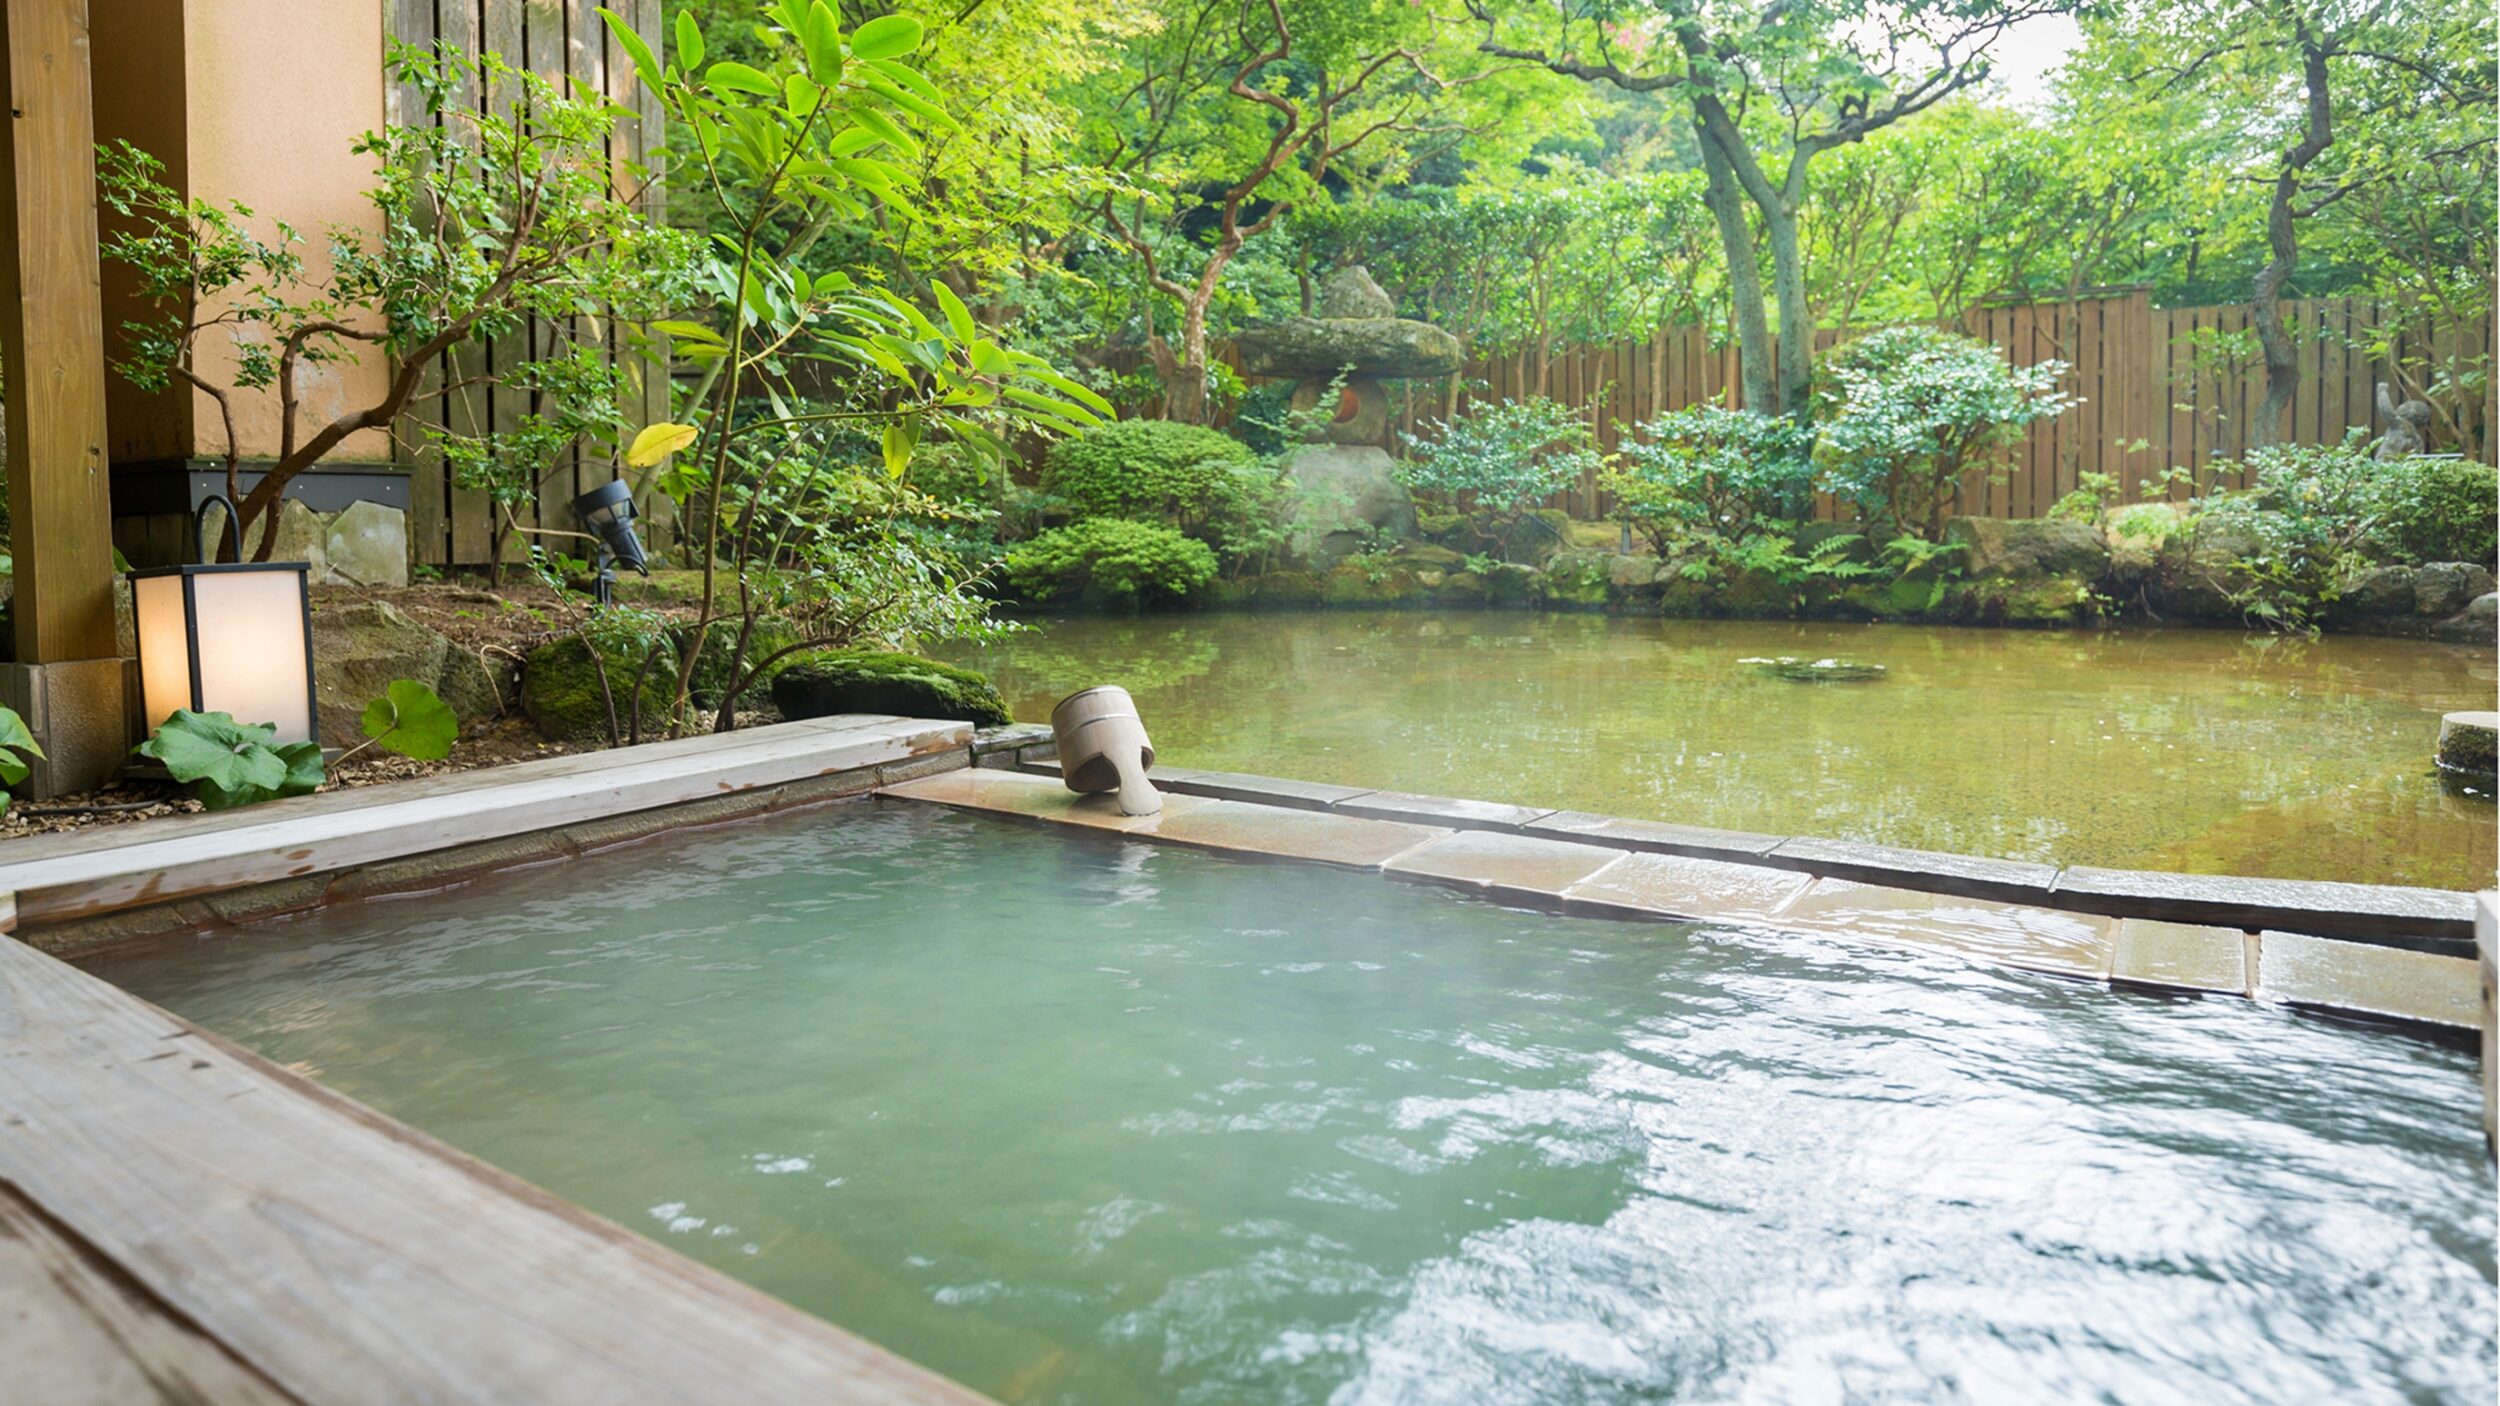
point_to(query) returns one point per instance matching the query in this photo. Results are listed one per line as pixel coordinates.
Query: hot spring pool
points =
(1077, 1120)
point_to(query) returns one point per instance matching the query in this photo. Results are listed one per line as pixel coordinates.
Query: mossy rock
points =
(826, 682)
(1290, 589)
(1755, 594)
(1513, 583)
(1423, 556)
(1358, 586)
(1459, 588)
(2045, 603)
(1439, 527)
(560, 691)
(1577, 581)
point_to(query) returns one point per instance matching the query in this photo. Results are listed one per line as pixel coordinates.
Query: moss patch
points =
(833, 681)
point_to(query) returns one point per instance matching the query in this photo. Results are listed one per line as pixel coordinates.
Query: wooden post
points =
(68, 678)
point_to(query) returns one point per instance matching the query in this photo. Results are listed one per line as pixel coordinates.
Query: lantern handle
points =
(199, 526)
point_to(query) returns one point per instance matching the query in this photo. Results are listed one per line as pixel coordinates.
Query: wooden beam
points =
(52, 337)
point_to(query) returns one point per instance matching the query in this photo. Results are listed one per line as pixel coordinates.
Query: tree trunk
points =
(2265, 303)
(1744, 277)
(1788, 284)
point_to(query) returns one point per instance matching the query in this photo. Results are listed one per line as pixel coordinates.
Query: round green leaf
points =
(886, 37)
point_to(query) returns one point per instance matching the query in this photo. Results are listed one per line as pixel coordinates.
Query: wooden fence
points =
(565, 41)
(2160, 387)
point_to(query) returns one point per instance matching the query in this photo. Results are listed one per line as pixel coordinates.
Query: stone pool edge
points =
(2381, 915)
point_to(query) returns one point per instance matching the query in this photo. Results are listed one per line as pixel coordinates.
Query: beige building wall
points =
(271, 96)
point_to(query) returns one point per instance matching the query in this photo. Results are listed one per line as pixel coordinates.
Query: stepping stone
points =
(2357, 977)
(1510, 866)
(1440, 810)
(1654, 836)
(1680, 886)
(2181, 956)
(2033, 939)
(1283, 833)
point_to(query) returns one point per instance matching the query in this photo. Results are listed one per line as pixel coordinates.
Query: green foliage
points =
(1707, 470)
(229, 764)
(1110, 562)
(16, 745)
(1907, 411)
(411, 720)
(1502, 460)
(2440, 510)
(488, 215)
(2153, 523)
(1202, 483)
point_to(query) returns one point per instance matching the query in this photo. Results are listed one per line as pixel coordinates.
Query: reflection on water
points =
(2191, 750)
(1076, 1121)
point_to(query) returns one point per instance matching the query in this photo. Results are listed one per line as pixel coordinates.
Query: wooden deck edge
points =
(340, 1255)
(124, 889)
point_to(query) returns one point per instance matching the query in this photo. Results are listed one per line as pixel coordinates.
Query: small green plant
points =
(1908, 411)
(1709, 470)
(16, 745)
(1199, 482)
(2153, 523)
(2090, 501)
(1502, 461)
(228, 764)
(411, 720)
(1110, 562)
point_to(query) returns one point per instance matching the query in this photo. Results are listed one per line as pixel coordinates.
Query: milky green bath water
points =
(2198, 751)
(1080, 1121)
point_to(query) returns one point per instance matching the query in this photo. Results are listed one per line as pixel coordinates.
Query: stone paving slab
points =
(2182, 956)
(1961, 874)
(1259, 790)
(1281, 832)
(1036, 797)
(1441, 810)
(1655, 836)
(2033, 939)
(1685, 887)
(2370, 912)
(2318, 972)
(1504, 865)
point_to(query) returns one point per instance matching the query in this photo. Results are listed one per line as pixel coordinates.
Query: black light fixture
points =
(227, 637)
(608, 511)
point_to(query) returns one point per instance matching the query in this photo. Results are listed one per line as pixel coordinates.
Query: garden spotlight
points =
(608, 511)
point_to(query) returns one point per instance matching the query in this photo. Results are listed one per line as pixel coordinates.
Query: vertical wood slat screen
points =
(2162, 387)
(562, 41)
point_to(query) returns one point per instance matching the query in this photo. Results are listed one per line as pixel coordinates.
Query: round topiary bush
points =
(1109, 563)
(1202, 483)
(831, 681)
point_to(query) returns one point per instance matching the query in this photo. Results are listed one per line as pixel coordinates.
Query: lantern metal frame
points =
(189, 573)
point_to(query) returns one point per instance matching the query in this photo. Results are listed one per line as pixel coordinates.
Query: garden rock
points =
(2478, 623)
(2445, 587)
(302, 536)
(2469, 743)
(1577, 580)
(359, 650)
(2029, 547)
(1313, 347)
(1425, 556)
(1350, 292)
(874, 681)
(2381, 590)
(1537, 537)
(1512, 583)
(1346, 488)
(366, 544)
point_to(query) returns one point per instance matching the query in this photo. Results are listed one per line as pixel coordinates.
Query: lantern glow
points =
(233, 638)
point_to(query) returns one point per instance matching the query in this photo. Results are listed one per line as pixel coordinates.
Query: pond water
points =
(2189, 750)
(1075, 1120)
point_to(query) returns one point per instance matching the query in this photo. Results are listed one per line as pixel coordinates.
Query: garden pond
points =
(2198, 751)
(1080, 1120)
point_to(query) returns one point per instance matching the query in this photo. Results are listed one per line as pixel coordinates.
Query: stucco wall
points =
(279, 90)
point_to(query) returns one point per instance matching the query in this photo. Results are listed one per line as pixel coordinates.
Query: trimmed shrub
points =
(1500, 462)
(1905, 411)
(825, 682)
(2441, 510)
(1110, 563)
(1706, 470)
(1197, 481)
